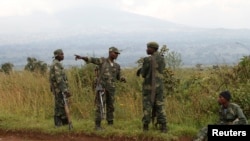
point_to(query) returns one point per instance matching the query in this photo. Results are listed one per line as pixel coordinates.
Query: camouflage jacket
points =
(58, 78)
(108, 72)
(146, 70)
(232, 115)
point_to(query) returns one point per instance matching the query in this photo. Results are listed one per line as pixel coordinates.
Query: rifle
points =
(163, 50)
(102, 97)
(153, 90)
(100, 91)
(66, 107)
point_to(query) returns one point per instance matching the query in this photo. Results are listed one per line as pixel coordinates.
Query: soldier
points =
(152, 87)
(109, 72)
(59, 85)
(229, 114)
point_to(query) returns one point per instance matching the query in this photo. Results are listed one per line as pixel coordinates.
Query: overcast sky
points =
(198, 13)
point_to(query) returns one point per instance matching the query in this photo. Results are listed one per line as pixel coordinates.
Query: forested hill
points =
(92, 30)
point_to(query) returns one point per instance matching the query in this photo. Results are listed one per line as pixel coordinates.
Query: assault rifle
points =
(101, 99)
(100, 91)
(66, 108)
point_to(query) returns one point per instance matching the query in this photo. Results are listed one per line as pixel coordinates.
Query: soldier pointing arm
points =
(109, 73)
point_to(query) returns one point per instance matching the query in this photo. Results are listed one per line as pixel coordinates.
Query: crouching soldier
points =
(229, 114)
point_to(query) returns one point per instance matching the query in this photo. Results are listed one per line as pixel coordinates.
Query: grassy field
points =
(26, 102)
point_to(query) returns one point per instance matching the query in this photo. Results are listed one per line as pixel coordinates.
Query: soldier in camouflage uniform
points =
(59, 85)
(109, 72)
(152, 89)
(229, 114)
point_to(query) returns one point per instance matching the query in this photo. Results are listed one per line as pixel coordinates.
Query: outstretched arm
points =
(81, 57)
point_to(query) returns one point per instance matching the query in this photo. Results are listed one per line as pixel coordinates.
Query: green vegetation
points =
(7, 68)
(34, 65)
(26, 102)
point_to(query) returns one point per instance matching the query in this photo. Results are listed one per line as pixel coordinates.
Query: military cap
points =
(57, 52)
(114, 49)
(226, 95)
(153, 45)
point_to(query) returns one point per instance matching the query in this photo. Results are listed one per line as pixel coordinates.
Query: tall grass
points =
(192, 104)
(25, 93)
(28, 94)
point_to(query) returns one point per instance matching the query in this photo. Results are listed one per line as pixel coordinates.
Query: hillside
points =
(92, 30)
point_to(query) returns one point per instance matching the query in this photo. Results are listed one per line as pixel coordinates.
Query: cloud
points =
(202, 13)
(27, 7)
(22, 7)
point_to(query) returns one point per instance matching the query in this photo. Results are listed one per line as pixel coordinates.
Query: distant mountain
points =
(92, 30)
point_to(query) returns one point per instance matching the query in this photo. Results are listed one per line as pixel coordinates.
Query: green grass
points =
(129, 129)
(27, 103)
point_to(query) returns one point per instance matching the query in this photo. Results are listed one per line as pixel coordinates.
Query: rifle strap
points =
(102, 71)
(153, 87)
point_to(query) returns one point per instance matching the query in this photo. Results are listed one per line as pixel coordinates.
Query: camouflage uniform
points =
(158, 103)
(232, 115)
(110, 73)
(59, 84)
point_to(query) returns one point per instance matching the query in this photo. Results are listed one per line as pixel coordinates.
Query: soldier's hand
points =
(81, 57)
(123, 80)
(77, 57)
(67, 94)
(138, 72)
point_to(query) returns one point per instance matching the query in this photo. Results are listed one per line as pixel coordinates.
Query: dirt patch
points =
(33, 136)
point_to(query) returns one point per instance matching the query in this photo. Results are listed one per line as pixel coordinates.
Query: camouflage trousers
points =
(59, 110)
(158, 107)
(109, 103)
(202, 134)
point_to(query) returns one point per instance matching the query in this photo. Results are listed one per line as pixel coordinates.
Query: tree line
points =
(173, 61)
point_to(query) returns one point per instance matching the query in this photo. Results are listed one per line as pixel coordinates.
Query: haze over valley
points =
(92, 30)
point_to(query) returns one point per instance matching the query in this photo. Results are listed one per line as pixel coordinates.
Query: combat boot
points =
(110, 122)
(57, 121)
(163, 128)
(199, 139)
(145, 127)
(65, 121)
(98, 126)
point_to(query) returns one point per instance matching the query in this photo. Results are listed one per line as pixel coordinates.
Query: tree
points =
(173, 60)
(199, 66)
(35, 65)
(7, 67)
(243, 68)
